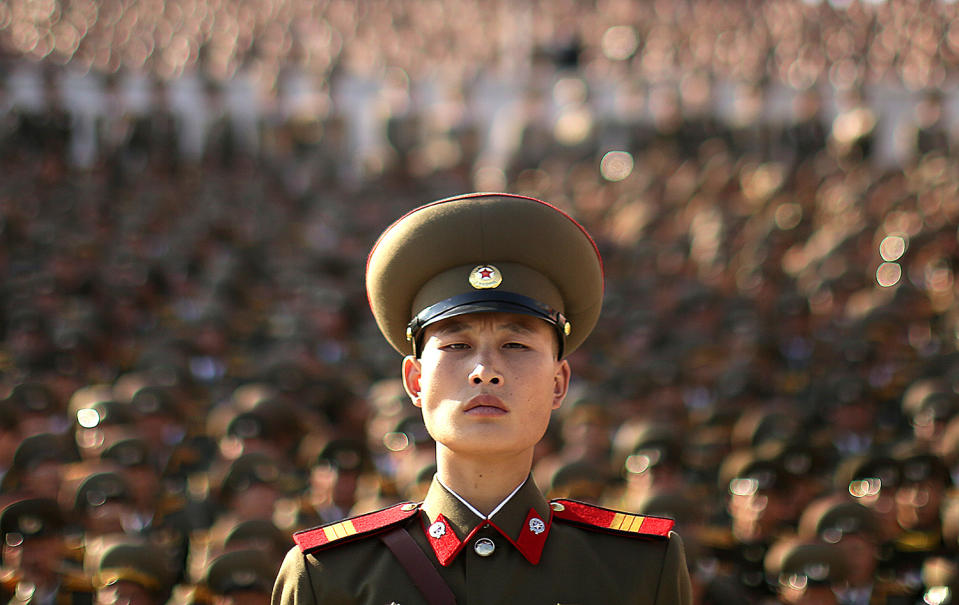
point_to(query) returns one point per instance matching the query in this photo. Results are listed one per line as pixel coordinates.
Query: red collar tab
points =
(352, 529)
(532, 538)
(443, 539)
(446, 544)
(604, 519)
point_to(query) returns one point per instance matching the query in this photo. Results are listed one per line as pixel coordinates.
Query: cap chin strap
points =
(486, 301)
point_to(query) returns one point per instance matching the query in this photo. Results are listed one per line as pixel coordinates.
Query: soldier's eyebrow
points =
(517, 327)
(448, 327)
(454, 326)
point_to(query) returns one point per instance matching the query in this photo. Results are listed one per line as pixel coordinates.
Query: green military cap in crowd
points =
(345, 455)
(31, 518)
(865, 474)
(800, 457)
(579, 480)
(480, 253)
(241, 570)
(798, 563)
(129, 453)
(409, 431)
(257, 534)
(34, 398)
(652, 445)
(744, 472)
(268, 419)
(255, 468)
(42, 447)
(155, 400)
(917, 465)
(677, 504)
(99, 489)
(147, 565)
(127, 384)
(250, 425)
(761, 425)
(930, 396)
(34, 451)
(830, 518)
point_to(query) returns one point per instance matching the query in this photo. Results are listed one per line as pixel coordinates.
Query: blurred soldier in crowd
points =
(38, 465)
(242, 577)
(804, 573)
(853, 529)
(130, 571)
(37, 557)
(918, 504)
(333, 488)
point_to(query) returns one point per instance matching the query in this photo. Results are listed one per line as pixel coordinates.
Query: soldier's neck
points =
(481, 481)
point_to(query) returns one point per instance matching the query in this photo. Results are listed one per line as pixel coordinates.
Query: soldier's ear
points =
(561, 383)
(411, 378)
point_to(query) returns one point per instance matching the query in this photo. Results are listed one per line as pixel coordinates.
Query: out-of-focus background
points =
(189, 189)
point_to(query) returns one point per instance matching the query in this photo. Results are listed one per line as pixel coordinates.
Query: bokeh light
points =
(620, 42)
(892, 248)
(888, 274)
(88, 418)
(616, 165)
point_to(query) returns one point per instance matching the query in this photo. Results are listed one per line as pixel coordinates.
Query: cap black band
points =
(485, 301)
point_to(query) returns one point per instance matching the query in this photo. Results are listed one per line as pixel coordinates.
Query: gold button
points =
(557, 507)
(484, 547)
(408, 507)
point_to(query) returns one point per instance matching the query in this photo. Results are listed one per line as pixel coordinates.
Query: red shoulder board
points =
(354, 528)
(604, 519)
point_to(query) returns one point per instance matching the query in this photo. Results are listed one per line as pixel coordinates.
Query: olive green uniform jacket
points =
(530, 552)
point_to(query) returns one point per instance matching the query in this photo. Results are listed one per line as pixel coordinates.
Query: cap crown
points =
(560, 265)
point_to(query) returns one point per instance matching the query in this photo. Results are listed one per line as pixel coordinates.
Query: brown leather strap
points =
(418, 566)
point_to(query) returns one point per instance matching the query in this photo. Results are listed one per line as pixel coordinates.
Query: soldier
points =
(758, 503)
(103, 505)
(240, 577)
(36, 556)
(137, 573)
(333, 480)
(919, 498)
(804, 572)
(486, 295)
(38, 465)
(854, 529)
(252, 486)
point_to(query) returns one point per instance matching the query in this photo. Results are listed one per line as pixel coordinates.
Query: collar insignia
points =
(447, 545)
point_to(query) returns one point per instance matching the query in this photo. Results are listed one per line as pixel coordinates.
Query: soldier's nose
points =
(482, 373)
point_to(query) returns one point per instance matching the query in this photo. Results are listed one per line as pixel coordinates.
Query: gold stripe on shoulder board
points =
(624, 522)
(339, 530)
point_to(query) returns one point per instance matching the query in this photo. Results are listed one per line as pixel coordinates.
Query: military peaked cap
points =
(241, 570)
(142, 564)
(32, 517)
(484, 252)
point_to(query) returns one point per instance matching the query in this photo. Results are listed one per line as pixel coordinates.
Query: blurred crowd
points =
(190, 373)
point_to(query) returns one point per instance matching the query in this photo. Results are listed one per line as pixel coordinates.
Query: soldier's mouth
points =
(486, 405)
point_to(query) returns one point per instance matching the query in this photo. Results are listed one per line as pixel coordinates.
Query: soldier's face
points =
(487, 382)
(37, 558)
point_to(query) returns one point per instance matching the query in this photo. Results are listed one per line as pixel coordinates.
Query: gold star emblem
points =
(484, 277)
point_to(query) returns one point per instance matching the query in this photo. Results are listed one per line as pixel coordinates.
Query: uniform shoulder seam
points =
(597, 518)
(354, 528)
